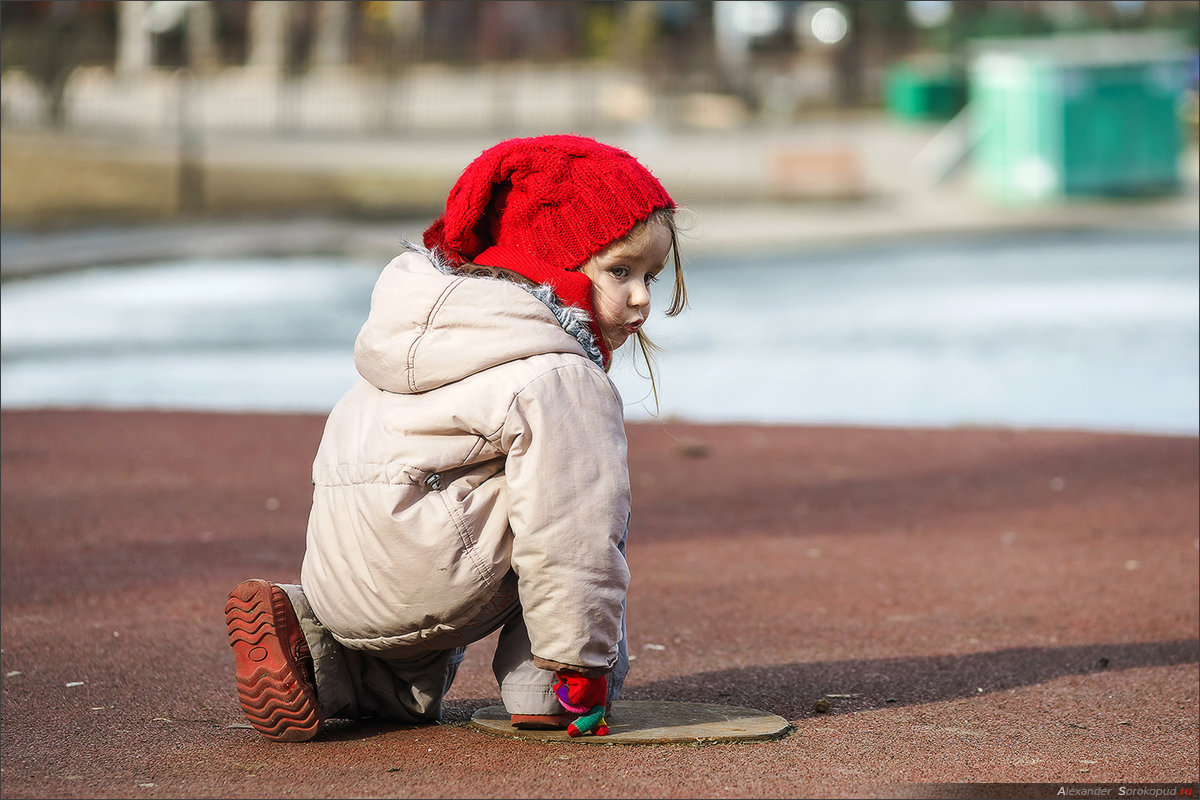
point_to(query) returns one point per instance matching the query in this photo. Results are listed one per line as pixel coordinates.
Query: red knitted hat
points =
(543, 206)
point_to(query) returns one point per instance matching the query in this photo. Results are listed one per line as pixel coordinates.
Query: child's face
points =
(621, 276)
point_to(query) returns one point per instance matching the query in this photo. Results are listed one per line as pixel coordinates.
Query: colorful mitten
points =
(591, 722)
(584, 696)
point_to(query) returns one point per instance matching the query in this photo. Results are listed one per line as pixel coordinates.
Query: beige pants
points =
(408, 685)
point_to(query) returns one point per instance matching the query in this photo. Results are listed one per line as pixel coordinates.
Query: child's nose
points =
(639, 296)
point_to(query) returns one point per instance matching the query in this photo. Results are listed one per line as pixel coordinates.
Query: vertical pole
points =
(191, 171)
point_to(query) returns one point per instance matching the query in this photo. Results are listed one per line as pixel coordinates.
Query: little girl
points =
(475, 478)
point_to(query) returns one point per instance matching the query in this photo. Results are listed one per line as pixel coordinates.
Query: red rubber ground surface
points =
(978, 606)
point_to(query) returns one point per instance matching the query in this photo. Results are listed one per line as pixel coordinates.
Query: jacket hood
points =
(429, 326)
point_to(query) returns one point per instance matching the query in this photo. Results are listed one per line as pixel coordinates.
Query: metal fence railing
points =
(345, 102)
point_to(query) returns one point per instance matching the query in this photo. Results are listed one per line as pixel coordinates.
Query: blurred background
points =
(1066, 97)
(938, 212)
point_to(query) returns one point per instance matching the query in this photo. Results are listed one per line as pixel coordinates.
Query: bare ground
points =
(977, 605)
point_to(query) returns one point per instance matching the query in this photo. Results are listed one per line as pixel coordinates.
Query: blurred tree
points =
(332, 40)
(848, 58)
(269, 26)
(48, 40)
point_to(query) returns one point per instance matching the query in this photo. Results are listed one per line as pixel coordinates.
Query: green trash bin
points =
(920, 92)
(1095, 115)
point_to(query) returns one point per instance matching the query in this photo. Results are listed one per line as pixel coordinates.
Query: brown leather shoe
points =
(542, 722)
(274, 670)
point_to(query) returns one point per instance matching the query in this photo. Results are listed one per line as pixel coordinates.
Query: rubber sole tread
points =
(272, 686)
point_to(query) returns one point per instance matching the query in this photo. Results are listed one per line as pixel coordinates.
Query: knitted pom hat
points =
(541, 207)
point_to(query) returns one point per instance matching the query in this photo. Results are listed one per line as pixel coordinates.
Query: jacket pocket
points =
(450, 491)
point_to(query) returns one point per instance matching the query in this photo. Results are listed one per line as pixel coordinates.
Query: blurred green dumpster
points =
(924, 90)
(1086, 114)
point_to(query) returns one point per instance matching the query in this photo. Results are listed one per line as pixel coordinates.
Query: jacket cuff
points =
(555, 666)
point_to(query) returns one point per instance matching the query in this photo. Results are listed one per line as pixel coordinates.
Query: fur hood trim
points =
(575, 321)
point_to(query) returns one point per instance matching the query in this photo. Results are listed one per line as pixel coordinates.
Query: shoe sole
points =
(540, 722)
(276, 699)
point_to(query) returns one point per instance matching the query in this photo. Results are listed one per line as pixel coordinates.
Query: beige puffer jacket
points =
(480, 437)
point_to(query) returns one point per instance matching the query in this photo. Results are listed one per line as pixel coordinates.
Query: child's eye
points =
(651, 278)
(618, 272)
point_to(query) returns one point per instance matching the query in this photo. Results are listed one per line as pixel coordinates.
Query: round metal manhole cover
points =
(654, 722)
